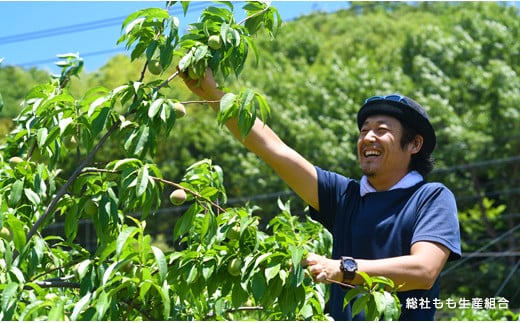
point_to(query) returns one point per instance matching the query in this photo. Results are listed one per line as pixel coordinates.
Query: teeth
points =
(370, 153)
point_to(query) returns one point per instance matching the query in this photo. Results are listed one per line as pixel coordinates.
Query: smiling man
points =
(390, 223)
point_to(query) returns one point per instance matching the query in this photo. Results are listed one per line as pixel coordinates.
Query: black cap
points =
(404, 109)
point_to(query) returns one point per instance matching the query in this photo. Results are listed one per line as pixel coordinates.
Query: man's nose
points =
(369, 136)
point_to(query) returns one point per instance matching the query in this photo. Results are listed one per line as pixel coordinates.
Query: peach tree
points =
(223, 266)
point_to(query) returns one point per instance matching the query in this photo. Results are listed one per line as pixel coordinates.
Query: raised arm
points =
(293, 168)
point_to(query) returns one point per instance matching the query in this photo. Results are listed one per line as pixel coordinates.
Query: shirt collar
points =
(407, 181)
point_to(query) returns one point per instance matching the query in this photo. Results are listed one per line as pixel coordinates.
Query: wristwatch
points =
(349, 267)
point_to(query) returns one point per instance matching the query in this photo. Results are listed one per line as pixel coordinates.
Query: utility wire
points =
(476, 165)
(489, 244)
(504, 283)
(97, 53)
(97, 24)
(61, 30)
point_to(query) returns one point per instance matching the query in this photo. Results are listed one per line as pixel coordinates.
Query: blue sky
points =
(32, 33)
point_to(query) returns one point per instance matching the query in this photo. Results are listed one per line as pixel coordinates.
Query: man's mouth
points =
(371, 153)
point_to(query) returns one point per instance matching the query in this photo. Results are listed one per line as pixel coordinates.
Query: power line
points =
(504, 283)
(96, 53)
(487, 245)
(61, 30)
(477, 164)
(97, 24)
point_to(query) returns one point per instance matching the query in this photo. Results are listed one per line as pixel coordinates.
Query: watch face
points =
(350, 265)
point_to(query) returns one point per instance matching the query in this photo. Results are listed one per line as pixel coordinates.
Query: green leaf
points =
(32, 196)
(392, 310)
(359, 304)
(185, 61)
(71, 225)
(254, 7)
(144, 133)
(98, 103)
(155, 107)
(200, 53)
(80, 305)
(366, 278)
(185, 6)
(16, 192)
(102, 304)
(245, 122)
(208, 268)
(123, 237)
(238, 295)
(57, 310)
(1, 99)
(349, 296)
(296, 257)
(271, 272)
(287, 300)
(227, 108)
(380, 300)
(64, 124)
(100, 118)
(142, 181)
(161, 262)
(253, 23)
(41, 136)
(383, 280)
(121, 164)
(82, 268)
(258, 285)
(166, 299)
(265, 110)
(246, 97)
(9, 298)
(193, 274)
(108, 273)
(17, 228)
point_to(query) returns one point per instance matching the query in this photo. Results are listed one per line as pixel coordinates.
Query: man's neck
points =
(405, 181)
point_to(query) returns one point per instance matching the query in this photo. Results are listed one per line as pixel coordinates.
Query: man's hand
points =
(322, 269)
(205, 87)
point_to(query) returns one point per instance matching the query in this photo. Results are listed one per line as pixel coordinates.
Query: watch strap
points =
(349, 267)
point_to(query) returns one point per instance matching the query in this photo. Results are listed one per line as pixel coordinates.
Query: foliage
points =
(221, 255)
(485, 315)
(494, 309)
(377, 297)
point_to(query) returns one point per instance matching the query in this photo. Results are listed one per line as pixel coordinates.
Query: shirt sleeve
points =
(331, 188)
(437, 219)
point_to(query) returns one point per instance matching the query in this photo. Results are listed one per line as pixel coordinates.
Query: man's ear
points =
(416, 145)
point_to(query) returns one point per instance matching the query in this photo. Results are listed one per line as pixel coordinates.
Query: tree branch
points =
(69, 182)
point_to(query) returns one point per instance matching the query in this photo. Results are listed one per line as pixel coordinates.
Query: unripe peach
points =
(178, 197)
(180, 109)
(214, 42)
(154, 67)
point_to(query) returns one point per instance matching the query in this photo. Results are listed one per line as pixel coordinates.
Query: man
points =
(390, 223)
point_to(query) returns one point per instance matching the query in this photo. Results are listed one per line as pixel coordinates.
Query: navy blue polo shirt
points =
(385, 224)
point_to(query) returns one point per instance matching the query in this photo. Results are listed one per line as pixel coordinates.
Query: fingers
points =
(311, 259)
(319, 273)
(317, 266)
